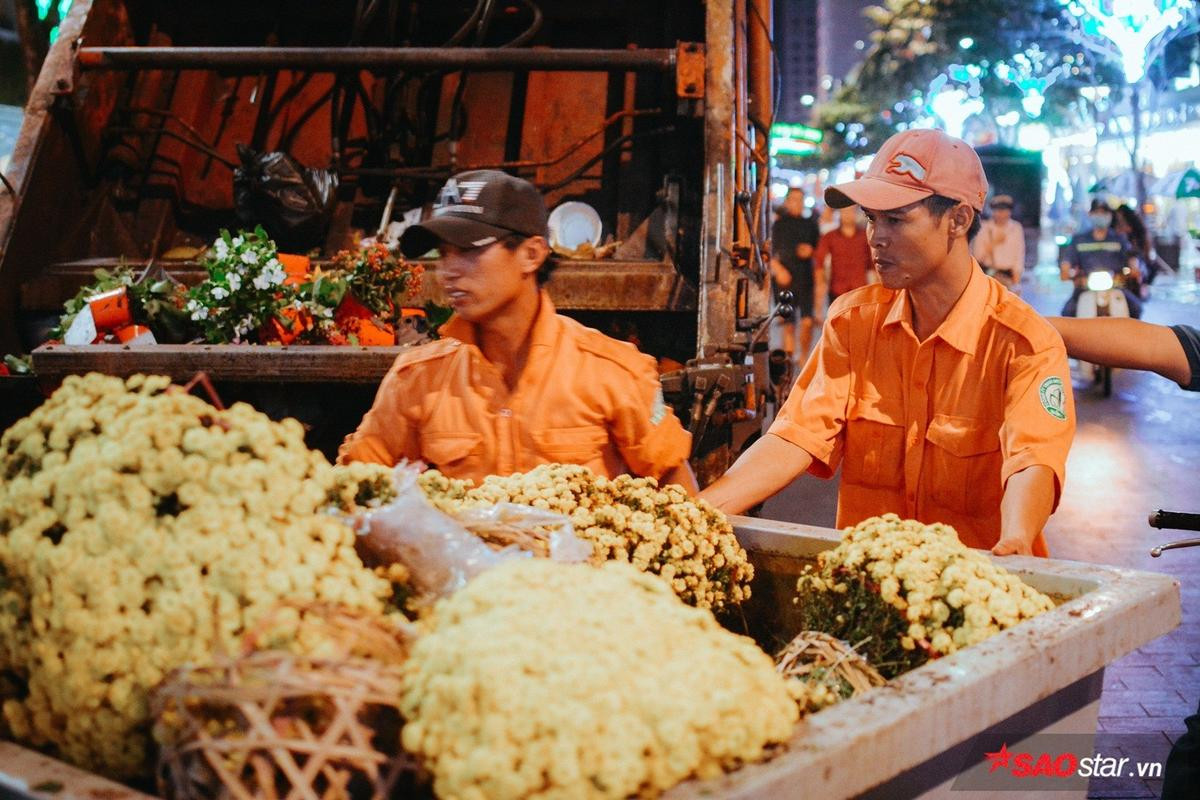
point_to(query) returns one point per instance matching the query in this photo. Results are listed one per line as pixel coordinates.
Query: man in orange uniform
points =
(944, 397)
(512, 384)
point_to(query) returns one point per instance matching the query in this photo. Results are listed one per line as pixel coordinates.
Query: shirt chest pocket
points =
(581, 444)
(453, 451)
(963, 464)
(874, 451)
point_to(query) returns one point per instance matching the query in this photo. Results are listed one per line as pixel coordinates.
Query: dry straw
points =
(816, 658)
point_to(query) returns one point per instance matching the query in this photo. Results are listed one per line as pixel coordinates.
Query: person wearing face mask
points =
(1099, 249)
(942, 396)
(512, 384)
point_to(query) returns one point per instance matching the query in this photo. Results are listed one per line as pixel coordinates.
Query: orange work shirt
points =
(582, 398)
(933, 430)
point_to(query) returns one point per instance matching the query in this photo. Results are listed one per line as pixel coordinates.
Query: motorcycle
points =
(1103, 297)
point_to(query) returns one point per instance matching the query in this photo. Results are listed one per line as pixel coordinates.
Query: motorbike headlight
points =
(1100, 281)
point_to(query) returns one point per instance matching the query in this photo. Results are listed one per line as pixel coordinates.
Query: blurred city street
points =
(1134, 452)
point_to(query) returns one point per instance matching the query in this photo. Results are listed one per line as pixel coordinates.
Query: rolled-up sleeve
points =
(386, 434)
(1039, 415)
(814, 415)
(643, 427)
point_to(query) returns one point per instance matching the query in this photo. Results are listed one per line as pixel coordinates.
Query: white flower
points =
(237, 241)
(220, 293)
(235, 281)
(221, 249)
(262, 281)
(327, 312)
(192, 305)
(200, 313)
(249, 257)
(278, 276)
(298, 305)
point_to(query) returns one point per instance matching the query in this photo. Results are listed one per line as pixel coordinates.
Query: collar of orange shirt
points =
(960, 329)
(543, 334)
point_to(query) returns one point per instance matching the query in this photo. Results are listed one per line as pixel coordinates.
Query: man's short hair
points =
(513, 241)
(938, 205)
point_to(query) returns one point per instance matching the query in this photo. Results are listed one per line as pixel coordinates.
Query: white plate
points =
(573, 224)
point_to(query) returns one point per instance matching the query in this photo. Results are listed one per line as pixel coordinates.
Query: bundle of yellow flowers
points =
(142, 529)
(658, 529)
(622, 691)
(910, 592)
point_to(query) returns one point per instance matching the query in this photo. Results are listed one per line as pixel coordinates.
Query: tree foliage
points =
(981, 46)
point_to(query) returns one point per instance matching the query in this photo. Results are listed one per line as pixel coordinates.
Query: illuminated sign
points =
(795, 139)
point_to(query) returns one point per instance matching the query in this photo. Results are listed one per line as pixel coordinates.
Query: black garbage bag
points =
(291, 201)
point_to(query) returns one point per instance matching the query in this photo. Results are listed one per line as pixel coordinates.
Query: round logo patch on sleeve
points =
(1053, 397)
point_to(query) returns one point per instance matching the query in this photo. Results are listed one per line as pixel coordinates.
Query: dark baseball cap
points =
(477, 208)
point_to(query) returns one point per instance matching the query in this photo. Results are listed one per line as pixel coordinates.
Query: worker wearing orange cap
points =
(512, 384)
(942, 396)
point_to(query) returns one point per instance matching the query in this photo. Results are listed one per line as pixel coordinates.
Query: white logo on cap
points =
(907, 165)
(471, 190)
(449, 195)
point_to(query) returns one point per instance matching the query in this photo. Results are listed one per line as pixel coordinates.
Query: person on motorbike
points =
(1100, 250)
(1174, 353)
(1127, 223)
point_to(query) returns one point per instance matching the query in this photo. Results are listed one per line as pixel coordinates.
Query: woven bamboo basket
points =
(272, 724)
(824, 670)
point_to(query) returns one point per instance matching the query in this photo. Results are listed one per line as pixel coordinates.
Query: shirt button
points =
(506, 412)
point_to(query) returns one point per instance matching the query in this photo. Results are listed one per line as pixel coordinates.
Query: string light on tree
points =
(1132, 31)
(1028, 73)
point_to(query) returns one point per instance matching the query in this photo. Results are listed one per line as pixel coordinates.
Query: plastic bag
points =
(535, 530)
(292, 202)
(439, 551)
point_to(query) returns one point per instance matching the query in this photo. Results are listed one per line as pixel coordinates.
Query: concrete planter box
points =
(907, 739)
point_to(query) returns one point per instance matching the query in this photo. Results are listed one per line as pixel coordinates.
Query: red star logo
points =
(999, 759)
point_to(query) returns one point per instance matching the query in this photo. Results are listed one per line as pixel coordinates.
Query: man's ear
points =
(961, 217)
(534, 251)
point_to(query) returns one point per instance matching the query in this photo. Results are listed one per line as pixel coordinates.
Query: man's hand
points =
(1028, 501)
(767, 466)
(779, 272)
(1016, 545)
(1064, 270)
(804, 250)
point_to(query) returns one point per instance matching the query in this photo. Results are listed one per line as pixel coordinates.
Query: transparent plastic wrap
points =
(443, 552)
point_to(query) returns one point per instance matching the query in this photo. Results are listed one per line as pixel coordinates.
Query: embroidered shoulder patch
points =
(1053, 397)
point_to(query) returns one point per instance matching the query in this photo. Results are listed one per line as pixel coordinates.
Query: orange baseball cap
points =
(911, 166)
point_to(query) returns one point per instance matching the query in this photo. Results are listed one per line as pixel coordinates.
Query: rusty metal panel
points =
(689, 70)
(562, 108)
(222, 362)
(717, 322)
(620, 286)
(487, 99)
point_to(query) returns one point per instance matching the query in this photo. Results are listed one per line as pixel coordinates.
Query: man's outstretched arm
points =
(1027, 504)
(769, 465)
(1126, 343)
